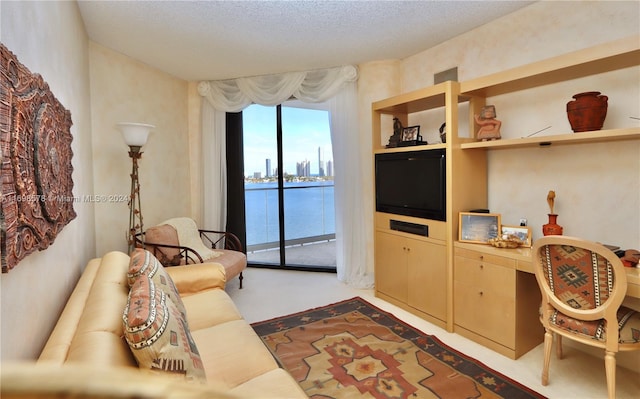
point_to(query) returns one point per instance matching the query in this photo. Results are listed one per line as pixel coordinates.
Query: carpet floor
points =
(354, 349)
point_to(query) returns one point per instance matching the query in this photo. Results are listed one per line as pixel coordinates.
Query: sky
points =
(304, 130)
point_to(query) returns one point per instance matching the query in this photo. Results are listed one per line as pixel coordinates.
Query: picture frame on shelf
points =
(478, 227)
(411, 133)
(522, 232)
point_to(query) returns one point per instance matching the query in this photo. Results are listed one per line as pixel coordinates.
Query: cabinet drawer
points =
(485, 257)
(486, 276)
(488, 313)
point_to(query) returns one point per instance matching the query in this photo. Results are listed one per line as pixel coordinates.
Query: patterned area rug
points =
(353, 349)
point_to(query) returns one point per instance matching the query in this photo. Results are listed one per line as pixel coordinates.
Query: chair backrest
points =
(581, 279)
(189, 236)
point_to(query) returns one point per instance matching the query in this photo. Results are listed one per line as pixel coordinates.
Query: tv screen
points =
(411, 183)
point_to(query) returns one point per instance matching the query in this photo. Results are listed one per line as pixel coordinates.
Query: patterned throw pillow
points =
(143, 262)
(157, 333)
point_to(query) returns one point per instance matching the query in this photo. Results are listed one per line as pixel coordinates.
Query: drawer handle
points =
(481, 267)
(481, 293)
(481, 257)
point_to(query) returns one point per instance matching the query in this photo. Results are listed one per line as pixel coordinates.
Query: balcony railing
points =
(309, 214)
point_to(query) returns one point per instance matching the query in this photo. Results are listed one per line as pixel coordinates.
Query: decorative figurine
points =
(443, 133)
(551, 200)
(397, 133)
(552, 228)
(489, 125)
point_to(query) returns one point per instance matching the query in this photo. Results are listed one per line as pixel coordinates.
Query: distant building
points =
(257, 175)
(329, 168)
(303, 169)
(320, 163)
(268, 161)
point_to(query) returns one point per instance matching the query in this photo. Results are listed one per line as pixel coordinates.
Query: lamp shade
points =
(135, 134)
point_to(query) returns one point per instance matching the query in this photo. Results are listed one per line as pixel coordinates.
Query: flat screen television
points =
(412, 183)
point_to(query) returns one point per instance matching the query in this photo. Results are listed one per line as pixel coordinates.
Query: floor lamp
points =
(135, 136)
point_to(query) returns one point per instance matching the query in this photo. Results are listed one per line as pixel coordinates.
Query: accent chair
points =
(583, 285)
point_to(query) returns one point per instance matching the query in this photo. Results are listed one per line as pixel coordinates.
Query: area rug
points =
(353, 349)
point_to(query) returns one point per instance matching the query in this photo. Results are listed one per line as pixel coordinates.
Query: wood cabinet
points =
(466, 188)
(487, 295)
(495, 303)
(411, 270)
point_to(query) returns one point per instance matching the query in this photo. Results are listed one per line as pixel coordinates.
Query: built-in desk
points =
(496, 297)
(523, 258)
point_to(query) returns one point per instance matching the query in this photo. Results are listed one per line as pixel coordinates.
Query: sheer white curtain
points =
(354, 226)
(337, 85)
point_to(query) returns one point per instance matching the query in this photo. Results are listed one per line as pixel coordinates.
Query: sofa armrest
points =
(191, 279)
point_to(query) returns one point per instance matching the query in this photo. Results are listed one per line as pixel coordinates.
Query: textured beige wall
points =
(125, 90)
(597, 186)
(195, 153)
(49, 38)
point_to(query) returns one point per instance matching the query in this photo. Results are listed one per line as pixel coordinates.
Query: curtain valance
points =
(312, 86)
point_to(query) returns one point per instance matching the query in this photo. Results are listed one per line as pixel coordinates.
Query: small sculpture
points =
(397, 133)
(552, 228)
(551, 198)
(443, 132)
(489, 125)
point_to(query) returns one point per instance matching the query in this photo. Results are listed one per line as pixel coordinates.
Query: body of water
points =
(309, 211)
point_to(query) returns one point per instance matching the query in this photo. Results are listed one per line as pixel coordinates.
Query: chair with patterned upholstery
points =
(583, 285)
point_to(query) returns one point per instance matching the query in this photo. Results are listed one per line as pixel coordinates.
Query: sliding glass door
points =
(290, 218)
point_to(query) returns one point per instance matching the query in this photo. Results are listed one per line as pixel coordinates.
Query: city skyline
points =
(306, 134)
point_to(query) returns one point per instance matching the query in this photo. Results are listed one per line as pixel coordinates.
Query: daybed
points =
(232, 357)
(179, 241)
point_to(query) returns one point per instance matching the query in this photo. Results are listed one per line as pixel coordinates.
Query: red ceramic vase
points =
(552, 228)
(587, 111)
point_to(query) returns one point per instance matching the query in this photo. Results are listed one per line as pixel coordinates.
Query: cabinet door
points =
(427, 282)
(485, 299)
(391, 265)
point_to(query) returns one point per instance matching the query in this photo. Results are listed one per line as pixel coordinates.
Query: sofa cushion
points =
(158, 334)
(142, 262)
(232, 353)
(210, 308)
(164, 234)
(193, 279)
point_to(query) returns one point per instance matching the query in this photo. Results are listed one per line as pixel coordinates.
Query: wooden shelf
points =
(571, 138)
(410, 148)
(467, 165)
(415, 101)
(606, 57)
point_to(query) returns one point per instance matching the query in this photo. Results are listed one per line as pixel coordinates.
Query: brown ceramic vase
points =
(587, 111)
(552, 228)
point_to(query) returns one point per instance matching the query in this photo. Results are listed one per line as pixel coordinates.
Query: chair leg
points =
(548, 343)
(241, 278)
(610, 370)
(559, 346)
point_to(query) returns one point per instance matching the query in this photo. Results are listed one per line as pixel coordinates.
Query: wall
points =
(597, 186)
(195, 154)
(125, 90)
(34, 293)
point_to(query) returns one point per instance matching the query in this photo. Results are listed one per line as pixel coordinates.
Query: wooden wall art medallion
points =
(37, 199)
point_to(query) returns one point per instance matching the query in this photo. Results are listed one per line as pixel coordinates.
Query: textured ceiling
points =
(210, 40)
